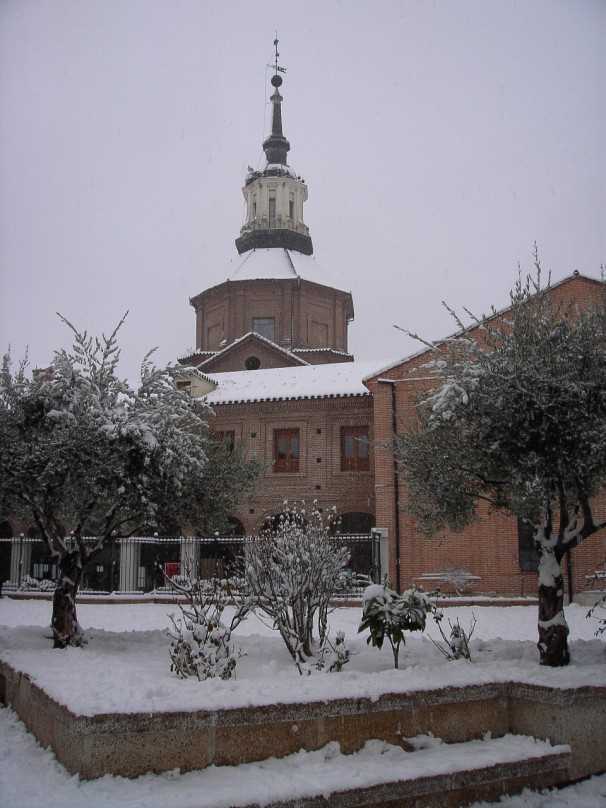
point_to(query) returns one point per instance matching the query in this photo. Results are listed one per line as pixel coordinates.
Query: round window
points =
(252, 363)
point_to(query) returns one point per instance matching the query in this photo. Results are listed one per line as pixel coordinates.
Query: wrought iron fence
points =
(145, 563)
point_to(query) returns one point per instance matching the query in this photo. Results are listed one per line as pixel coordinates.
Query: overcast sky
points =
(439, 140)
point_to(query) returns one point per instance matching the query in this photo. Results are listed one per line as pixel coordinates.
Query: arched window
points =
(355, 522)
(236, 528)
(272, 523)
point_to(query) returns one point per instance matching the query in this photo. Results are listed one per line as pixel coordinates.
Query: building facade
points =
(272, 360)
(496, 551)
(273, 340)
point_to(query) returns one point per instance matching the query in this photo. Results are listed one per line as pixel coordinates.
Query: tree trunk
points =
(395, 647)
(553, 629)
(66, 630)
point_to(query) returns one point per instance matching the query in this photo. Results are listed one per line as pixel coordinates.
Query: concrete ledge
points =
(589, 597)
(119, 599)
(132, 744)
(447, 790)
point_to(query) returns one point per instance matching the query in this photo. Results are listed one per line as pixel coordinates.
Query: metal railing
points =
(142, 564)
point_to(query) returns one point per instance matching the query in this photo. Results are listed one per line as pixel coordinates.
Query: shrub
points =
(201, 644)
(292, 572)
(387, 614)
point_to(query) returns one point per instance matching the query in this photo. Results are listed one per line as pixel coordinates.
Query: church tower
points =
(275, 196)
(276, 308)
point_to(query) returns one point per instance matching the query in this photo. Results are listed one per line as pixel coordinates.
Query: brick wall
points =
(235, 358)
(489, 547)
(305, 314)
(319, 477)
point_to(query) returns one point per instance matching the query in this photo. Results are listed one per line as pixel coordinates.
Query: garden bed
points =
(119, 687)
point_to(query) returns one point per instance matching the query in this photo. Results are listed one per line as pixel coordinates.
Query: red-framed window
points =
(354, 448)
(286, 450)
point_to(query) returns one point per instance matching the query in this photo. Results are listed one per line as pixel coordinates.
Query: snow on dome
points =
(277, 263)
(273, 384)
(271, 262)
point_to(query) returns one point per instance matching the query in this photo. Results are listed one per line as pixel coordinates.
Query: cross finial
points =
(277, 68)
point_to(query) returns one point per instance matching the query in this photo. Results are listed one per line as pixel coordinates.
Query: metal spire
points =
(276, 146)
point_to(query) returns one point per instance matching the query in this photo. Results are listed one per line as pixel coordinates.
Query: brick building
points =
(495, 550)
(272, 359)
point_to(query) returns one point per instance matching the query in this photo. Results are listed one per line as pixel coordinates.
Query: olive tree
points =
(84, 455)
(516, 418)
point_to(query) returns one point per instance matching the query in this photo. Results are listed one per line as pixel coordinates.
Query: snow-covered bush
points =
(179, 580)
(292, 572)
(333, 656)
(350, 581)
(387, 614)
(29, 584)
(201, 647)
(455, 644)
(598, 612)
(202, 644)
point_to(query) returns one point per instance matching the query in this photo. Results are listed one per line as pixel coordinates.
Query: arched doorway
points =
(355, 522)
(235, 527)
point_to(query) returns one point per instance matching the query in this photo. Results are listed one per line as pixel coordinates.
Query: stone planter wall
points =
(131, 744)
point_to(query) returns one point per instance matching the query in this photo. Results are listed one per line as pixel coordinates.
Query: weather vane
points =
(276, 66)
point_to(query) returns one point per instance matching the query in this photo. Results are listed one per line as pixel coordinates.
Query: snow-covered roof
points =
(261, 338)
(498, 313)
(277, 263)
(195, 352)
(280, 384)
(320, 350)
(193, 372)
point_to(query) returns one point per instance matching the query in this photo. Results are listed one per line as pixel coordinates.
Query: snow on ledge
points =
(300, 775)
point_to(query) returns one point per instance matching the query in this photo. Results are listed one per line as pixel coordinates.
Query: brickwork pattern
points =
(319, 422)
(306, 314)
(489, 547)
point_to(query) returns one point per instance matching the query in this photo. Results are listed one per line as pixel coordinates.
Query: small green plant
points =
(387, 614)
(455, 645)
(598, 612)
(333, 656)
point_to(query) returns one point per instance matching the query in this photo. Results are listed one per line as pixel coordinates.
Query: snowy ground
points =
(219, 787)
(133, 644)
(125, 667)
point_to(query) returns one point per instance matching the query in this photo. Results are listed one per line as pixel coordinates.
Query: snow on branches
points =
(517, 419)
(292, 572)
(86, 454)
(202, 644)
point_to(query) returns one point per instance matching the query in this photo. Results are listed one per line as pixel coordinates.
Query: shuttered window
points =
(354, 448)
(286, 450)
